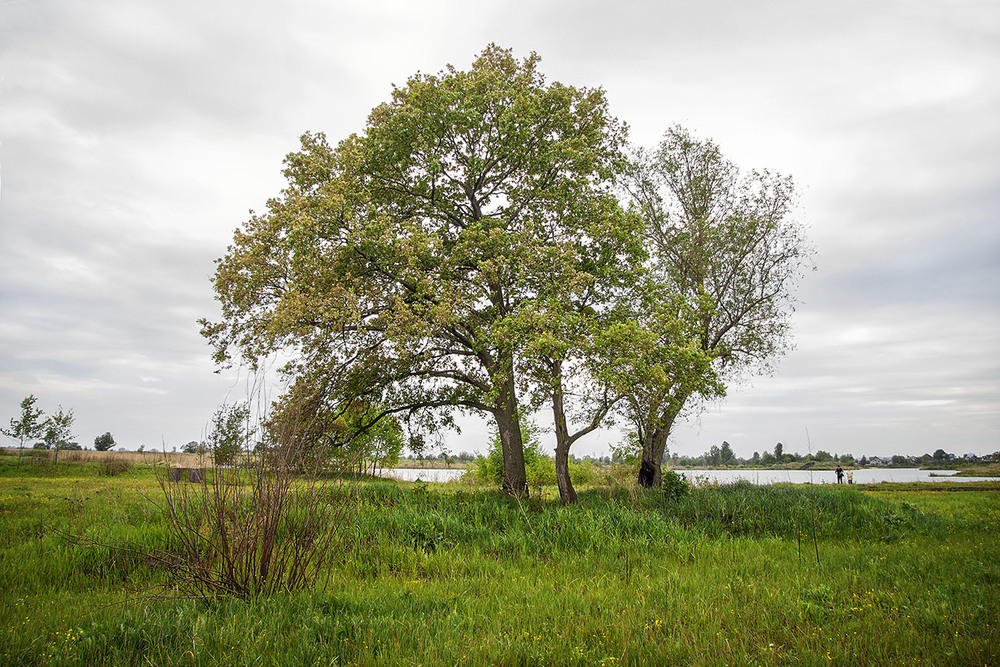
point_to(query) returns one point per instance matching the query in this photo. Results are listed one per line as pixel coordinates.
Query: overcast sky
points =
(136, 135)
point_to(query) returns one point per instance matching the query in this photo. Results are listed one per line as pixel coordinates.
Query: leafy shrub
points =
(230, 433)
(615, 476)
(539, 468)
(673, 485)
(582, 472)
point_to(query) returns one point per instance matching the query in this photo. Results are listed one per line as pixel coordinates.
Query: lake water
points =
(424, 474)
(866, 476)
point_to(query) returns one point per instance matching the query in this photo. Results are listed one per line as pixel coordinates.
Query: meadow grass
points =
(455, 574)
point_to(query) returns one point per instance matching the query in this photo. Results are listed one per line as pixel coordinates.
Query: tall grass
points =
(145, 457)
(448, 574)
(113, 465)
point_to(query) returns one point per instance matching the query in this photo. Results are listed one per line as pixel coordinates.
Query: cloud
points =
(135, 136)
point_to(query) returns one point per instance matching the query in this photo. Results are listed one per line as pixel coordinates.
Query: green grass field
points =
(456, 574)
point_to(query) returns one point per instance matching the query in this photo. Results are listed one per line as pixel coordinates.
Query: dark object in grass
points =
(192, 475)
(646, 474)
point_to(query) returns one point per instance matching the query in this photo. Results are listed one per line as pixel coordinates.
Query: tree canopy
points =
(58, 432)
(469, 251)
(103, 443)
(727, 250)
(396, 262)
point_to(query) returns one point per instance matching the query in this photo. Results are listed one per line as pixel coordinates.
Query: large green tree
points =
(396, 260)
(655, 362)
(727, 247)
(560, 339)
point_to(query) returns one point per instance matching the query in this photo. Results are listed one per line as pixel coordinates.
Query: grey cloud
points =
(135, 136)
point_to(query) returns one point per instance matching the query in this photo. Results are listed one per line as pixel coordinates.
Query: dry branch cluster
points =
(265, 524)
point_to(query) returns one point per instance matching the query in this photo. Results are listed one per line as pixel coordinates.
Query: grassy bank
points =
(147, 457)
(452, 574)
(983, 470)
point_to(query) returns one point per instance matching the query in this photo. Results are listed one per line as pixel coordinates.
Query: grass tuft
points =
(113, 465)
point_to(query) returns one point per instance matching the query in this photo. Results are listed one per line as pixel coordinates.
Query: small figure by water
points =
(840, 475)
(850, 476)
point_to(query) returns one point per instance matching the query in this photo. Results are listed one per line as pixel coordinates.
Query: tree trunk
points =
(515, 479)
(567, 494)
(653, 445)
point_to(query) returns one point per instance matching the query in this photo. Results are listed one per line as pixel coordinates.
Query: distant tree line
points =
(723, 456)
(229, 435)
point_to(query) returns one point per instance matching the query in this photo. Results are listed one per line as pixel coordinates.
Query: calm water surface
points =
(866, 476)
(424, 474)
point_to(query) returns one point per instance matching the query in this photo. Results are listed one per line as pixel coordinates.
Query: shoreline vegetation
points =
(180, 459)
(460, 573)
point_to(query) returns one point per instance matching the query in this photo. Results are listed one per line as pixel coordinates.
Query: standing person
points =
(850, 476)
(840, 475)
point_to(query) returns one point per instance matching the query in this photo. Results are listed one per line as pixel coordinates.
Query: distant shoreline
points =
(205, 460)
(430, 465)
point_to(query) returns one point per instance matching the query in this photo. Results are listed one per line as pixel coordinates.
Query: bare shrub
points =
(259, 526)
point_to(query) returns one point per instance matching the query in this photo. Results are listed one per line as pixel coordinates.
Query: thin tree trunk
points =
(567, 494)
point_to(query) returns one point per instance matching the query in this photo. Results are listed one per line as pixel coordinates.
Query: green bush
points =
(539, 468)
(582, 472)
(230, 433)
(673, 485)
